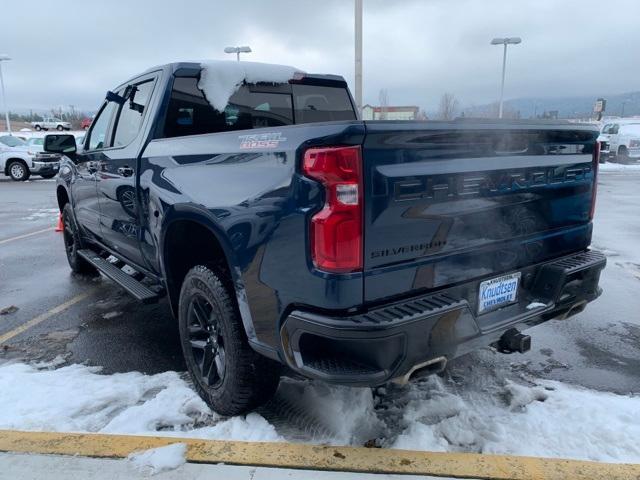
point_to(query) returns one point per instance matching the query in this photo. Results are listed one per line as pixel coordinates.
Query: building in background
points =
(369, 112)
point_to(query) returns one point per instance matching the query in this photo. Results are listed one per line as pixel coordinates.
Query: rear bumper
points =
(389, 341)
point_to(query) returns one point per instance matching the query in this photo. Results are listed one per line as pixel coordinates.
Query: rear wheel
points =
(38, 128)
(73, 243)
(18, 170)
(227, 373)
(623, 155)
(59, 128)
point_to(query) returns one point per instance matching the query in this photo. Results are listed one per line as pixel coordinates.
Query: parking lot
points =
(50, 315)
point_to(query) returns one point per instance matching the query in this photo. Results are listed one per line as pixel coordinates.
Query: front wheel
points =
(18, 171)
(227, 373)
(59, 128)
(73, 243)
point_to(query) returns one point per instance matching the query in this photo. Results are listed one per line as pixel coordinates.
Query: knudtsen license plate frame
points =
(498, 292)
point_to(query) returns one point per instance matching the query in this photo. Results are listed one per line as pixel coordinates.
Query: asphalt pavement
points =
(53, 314)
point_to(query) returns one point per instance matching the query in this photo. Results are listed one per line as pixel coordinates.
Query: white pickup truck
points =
(621, 141)
(19, 160)
(50, 123)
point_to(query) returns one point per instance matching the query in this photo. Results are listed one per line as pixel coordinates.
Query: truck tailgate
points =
(450, 202)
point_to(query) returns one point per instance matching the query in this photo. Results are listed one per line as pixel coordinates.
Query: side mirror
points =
(64, 144)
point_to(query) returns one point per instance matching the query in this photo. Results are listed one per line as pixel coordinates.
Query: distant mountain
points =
(567, 107)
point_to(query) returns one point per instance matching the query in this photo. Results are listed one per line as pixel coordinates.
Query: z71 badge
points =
(261, 140)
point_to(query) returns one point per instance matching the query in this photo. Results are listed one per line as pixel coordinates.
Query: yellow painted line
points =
(26, 235)
(312, 457)
(41, 318)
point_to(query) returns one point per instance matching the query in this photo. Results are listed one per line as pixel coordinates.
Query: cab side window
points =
(98, 134)
(189, 112)
(132, 113)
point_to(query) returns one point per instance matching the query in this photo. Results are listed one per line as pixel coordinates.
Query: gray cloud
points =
(71, 52)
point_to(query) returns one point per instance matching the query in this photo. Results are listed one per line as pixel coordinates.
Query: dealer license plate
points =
(497, 292)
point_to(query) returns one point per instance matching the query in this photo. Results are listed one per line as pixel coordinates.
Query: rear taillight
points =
(594, 193)
(336, 230)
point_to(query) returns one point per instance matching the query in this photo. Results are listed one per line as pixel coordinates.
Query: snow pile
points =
(549, 419)
(77, 398)
(157, 460)
(221, 78)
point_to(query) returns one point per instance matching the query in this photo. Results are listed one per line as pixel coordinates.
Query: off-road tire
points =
(248, 379)
(73, 243)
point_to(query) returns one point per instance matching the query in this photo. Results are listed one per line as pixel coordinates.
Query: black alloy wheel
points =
(206, 340)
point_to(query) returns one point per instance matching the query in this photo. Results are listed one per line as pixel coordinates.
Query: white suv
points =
(51, 123)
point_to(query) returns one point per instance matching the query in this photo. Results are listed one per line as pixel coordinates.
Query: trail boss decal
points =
(261, 140)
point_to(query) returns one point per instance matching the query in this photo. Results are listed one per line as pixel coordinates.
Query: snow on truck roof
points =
(220, 79)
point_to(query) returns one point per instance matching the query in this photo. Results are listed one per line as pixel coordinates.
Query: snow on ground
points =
(618, 167)
(489, 413)
(77, 398)
(157, 460)
(547, 418)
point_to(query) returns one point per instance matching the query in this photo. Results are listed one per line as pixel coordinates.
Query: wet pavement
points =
(599, 348)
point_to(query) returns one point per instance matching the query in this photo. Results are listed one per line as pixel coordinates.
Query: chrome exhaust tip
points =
(424, 369)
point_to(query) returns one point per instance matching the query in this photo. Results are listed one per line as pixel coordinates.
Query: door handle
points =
(125, 171)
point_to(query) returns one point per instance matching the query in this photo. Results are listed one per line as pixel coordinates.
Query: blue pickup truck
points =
(284, 232)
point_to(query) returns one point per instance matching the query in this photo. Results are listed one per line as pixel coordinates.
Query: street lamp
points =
(4, 56)
(505, 42)
(237, 51)
(624, 102)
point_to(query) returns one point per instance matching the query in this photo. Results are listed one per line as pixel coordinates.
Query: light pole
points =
(505, 42)
(4, 57)
(624, 102)
(237, 51)
(358, 55)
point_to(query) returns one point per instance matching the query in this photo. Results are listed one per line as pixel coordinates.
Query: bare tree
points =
(448, 107)
(383, 97)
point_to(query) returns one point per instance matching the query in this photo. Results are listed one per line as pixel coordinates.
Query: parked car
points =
(286, 231)
(624, 142)
(603, 138)
(19, 160)
(51, 123)
(85, 123)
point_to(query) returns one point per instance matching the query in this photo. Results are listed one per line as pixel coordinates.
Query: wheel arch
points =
(11, 160)
(192, 236)
(63, 197)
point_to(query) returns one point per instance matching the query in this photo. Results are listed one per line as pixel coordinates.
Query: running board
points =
(138, 290)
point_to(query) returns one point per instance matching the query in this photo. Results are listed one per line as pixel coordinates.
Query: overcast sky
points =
(71, 52)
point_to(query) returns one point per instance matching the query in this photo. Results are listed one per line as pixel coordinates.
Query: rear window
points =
(315, 103)
(253, 106)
